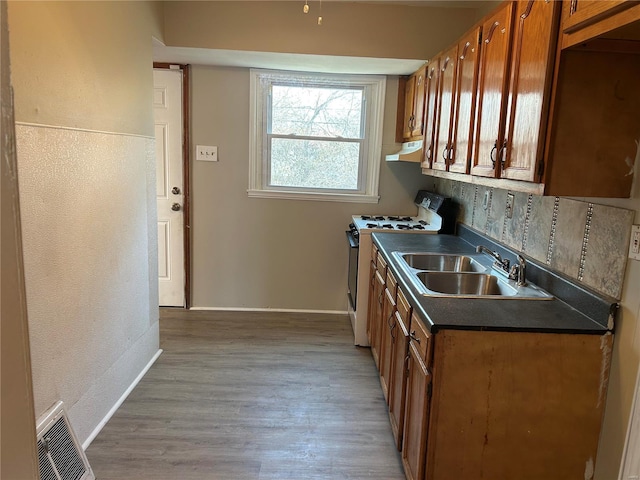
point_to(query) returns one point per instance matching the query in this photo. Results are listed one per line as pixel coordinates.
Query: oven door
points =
(352, 279)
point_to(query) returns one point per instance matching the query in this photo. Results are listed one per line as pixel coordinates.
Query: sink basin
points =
(442, 263)
(466, 284)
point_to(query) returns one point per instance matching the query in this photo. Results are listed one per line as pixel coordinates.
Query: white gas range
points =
(436, 214)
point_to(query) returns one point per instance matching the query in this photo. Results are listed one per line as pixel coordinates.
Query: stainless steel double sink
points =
(462, 276)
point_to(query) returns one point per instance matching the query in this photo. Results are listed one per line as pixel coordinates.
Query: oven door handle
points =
(353, 242)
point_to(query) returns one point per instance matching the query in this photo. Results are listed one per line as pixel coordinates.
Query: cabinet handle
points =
(444, 154)
(492, 154)
(573, 7)
(428, 155)
(502, 155)
(413, 337)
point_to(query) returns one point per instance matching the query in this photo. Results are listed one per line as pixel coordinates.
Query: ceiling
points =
(306, 62)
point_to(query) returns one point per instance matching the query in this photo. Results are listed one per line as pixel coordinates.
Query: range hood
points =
(410, 152)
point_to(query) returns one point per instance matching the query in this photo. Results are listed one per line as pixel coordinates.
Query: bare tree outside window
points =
(316, 136)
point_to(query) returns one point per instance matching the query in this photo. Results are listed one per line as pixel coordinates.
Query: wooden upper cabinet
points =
(447, 103)
(430, 111)
(466, 87)
(414, 92)
(409, 91)
(533, 53)
(418, 102)
(492, 91)
(583, 12)
(583, 20)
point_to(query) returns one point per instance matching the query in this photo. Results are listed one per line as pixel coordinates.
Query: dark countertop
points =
(579, 311)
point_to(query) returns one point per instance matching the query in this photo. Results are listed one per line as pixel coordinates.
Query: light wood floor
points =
(243, 396)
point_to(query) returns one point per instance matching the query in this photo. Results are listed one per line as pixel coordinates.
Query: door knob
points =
(175, 207)
(175, 190)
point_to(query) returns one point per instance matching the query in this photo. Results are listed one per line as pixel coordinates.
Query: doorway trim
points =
(186, 171)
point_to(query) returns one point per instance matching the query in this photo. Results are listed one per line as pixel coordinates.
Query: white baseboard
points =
(124, 396)
(282, 310)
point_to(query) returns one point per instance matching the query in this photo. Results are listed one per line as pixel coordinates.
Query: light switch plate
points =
(634, 245)
(207, 153)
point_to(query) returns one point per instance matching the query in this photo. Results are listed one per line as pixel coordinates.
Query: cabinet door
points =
(387, 331)
(376, 317)
(466, 88)
(398, 380)
(371, 304)
(409, 119)
(447, 102)
(418, 102)
(532, 62)
(430, 112)
(579, 13)
(416, 417)
(492, 85)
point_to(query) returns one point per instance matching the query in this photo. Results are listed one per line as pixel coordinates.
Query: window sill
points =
(315, 196)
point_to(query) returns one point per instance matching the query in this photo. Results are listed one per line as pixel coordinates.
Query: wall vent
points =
(59, 453)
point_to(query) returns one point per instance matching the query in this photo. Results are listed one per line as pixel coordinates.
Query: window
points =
(315, 136)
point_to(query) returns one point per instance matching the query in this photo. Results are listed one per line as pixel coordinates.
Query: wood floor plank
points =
(252, 396)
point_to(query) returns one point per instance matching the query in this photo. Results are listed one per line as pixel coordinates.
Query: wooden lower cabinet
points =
(509, 405)
(399, 366)
(387, 331)
(415, 443)
(375, 316)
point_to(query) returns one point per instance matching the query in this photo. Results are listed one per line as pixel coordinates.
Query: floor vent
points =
(60, 455)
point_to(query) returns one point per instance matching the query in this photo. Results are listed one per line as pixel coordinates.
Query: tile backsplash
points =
(584, 241)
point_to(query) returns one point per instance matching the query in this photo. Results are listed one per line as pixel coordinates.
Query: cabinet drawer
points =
(374, 255)
(404, 310)
(392, 284)
(421, 338)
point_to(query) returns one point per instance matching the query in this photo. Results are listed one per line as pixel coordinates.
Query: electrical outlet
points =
(509, 208)
(634, 246)
(206, 153)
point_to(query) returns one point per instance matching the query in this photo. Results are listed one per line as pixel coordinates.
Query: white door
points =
(167, 103)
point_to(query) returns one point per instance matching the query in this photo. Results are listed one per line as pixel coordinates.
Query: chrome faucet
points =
(517, 271)
(501, 263)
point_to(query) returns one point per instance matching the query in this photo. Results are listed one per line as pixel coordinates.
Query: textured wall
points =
(86, 241)
(585, 241)
(250, 252)
(87, 180)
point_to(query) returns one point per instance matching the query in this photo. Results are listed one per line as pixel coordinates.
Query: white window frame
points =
(374, 87)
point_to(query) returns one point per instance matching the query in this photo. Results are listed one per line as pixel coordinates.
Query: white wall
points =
(252, 252)
(83, 90)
